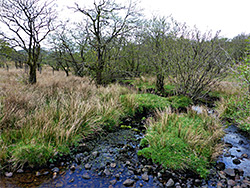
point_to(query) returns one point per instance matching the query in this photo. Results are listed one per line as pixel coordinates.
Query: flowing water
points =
(111, 160)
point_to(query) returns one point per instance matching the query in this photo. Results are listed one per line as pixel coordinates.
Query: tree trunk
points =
(32, 76)
(160, 82)
(99, 77)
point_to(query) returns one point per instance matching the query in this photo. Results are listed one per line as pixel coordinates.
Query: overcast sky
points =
(232, 17)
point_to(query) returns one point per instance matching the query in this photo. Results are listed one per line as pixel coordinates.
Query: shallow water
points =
(118, 148)
(238, 145)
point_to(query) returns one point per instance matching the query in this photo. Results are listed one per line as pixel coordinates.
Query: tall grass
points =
(235, 104)
(183, 141)
(39, 121)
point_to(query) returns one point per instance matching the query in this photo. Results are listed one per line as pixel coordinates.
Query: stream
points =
(111, 161)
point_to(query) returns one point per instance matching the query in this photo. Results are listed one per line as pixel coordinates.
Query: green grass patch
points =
(237, 108)
(138, 103)
(180, 142)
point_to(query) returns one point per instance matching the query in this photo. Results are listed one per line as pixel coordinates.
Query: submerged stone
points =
(128, 182)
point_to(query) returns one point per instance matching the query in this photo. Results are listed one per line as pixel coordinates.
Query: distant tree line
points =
(114, 42)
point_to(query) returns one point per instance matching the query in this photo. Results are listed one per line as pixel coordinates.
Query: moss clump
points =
(180, 101)
(186, 141)
(138, 103)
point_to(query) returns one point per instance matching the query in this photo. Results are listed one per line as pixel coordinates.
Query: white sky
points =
(232, 17)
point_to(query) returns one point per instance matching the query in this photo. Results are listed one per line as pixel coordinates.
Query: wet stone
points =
(220, 166)
(236, 161)
(136, 177)
(55, 170)
(113, 165)
(145, 177)
(231, 183)
(229, 145)
(72, 168)
(113, 182)
(95, 154)
(59, 185)
(244, 156)
(20, 171)
(38, 174)
(8, 174)
(107, 172)
(71, 180)
(117, 176)
(128, 163)
(230, 172)
(87, 166)
(241, 142)
(46, 173)
(128, 182)
(170, 183)
(222, 175)
(86, 176)
(227, 154)
(219, 185)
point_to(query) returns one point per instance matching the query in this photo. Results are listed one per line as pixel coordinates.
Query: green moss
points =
(180, 101)
(41, 153)
(150, 102)
(169, 89)
(182, 142)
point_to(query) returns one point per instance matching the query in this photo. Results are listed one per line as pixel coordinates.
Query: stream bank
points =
(112, 161)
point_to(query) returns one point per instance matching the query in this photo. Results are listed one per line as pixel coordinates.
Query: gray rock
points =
(145, 177)
(117, 176)
(128, 182)
(222, 175)
(72, 168)
(170, 183)
(38, 174)
(71, 180)
(46, 173)
(59, 184)
(128, 163)
(113, 165)
(55, 170)
(136, 177)
(8, 174)
(230, 172)
(87, 166)
(113, 182)
(219, 185)
(20, 171)
(231, 183)
(95, 154)
(244, 156)
(86, 176)
(107, 172)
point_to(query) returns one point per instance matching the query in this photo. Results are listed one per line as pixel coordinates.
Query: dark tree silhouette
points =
(29, 22)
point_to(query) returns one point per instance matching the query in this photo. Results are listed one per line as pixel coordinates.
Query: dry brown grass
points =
(57, 111)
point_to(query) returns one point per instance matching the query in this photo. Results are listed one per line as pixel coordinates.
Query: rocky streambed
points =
(112, 161)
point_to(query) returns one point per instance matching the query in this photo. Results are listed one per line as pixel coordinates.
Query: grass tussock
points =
(49, 117)
(234, 105)
(183, 141)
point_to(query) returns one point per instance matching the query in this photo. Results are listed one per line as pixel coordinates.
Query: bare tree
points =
(105, 22)
(29, 22)
(198, 62)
